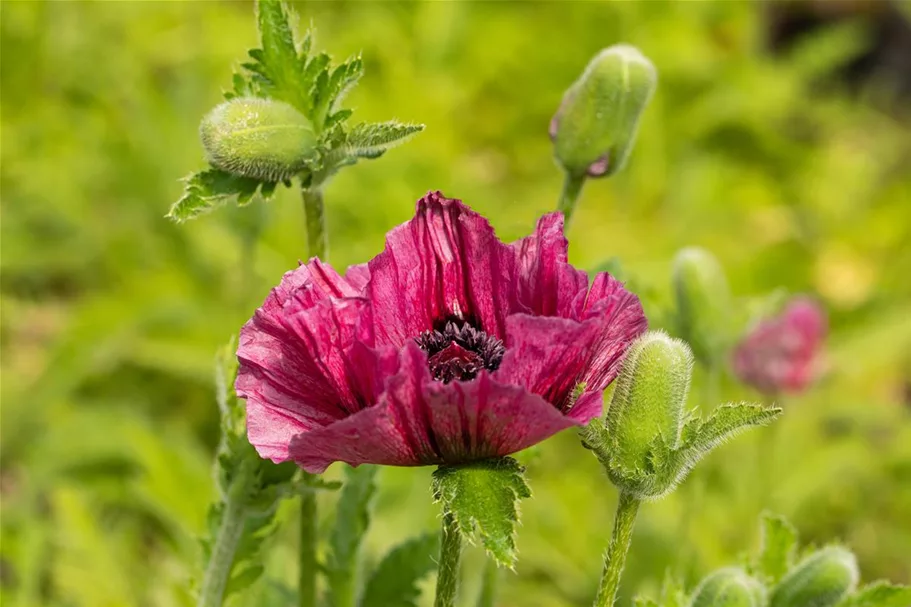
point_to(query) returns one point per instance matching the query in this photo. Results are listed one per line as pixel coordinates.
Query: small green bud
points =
(703, 303)
(258, 138)
(649, 398)
(648, 441)
(594, 129)
(729, 587)
(820, 580)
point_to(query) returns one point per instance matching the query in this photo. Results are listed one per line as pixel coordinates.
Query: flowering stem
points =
(218, 570)
(489, 584)
(450, 558)
(572, 187)
(627, 508)
(315, 215)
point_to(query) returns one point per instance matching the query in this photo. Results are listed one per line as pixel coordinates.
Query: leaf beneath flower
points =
(779, 547)
(394, 582)
(879, 594)
(208, 190)
(483, 498)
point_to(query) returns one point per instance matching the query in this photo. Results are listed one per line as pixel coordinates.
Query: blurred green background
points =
(792, 167)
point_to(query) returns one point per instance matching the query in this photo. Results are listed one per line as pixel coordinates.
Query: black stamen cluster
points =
(486, 351)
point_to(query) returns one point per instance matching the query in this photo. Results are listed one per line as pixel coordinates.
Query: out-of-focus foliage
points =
(111, 315)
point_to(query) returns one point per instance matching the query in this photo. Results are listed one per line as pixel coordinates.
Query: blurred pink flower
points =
(782, 354)
(449, 346)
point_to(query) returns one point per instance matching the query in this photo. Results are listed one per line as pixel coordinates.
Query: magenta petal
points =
(546, 284)
(444, 263)
(550, 356)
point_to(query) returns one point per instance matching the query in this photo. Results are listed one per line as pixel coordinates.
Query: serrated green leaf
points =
(642, 602)
(329, 90)
(394, 582)
(779, 547)
(724, 423)
(242, 579)
(351, 522)
(673, 594)
(208, 190)
(482, 498)
(370, 140)
(279, 54)
(879, 594)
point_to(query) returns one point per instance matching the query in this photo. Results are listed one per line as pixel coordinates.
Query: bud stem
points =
(624, 520)
(315, 217)
(572, 187)
(450, 559)
(489, 584)
(317, 246)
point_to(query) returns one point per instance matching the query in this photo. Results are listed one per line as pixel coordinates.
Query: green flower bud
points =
(729, 587)
(594, 129)
(703, 303)
(820, 580)
(648, 441)
(259, 138)
(649, 398)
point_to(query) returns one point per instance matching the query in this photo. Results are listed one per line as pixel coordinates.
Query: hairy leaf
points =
(482, 497)
(370, 140)
(879, 594)
(208, 190)
(394, 582)
(350, 526)
(278, 58)
(778, 549)
(724, 423)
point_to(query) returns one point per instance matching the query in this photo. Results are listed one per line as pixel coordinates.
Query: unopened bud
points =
(594, 129)
(259, 138)
(820, 580)
(649, 398)
(730, 587)
(703, 303)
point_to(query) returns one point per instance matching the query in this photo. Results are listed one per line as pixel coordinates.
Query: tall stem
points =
(218, 570)
(315, 217)
(572, 187)
(489, 584)
(450, 559)
(615, 559)
(317, 246)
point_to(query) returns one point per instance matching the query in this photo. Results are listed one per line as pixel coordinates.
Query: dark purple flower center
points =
(460, 351)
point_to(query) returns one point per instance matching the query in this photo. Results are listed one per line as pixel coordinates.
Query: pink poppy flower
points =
(782, 354)
(449, 346)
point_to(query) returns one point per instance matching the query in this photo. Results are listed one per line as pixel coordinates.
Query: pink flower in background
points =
(449, 346)
(782, 354)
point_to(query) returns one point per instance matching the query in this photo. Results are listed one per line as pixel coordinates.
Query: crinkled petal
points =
(297, 366)
(446, 263)
(550, 356)
(419, 421)
(545, 283)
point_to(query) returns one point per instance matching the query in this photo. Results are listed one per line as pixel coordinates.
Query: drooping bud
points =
(729, 587)
(782, 354)
(648, 441)
(259, 138)
(820, 580)
(703, 303)
(594, 129)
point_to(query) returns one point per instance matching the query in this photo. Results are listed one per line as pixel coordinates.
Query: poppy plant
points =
(782, 354)
(450, 346)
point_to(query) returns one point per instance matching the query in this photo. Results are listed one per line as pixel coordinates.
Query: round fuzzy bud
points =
(729, 587)
(594, 129)
(259, 138)
(648, 402)
(820, 580)
(703, 303)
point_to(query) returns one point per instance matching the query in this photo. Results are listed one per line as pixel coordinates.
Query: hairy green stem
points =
(307, 565)
(489, 583)
(615, 559)
(317, 246)
(450, 559)
(218, 570)
(572, 187)
(315, 217)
